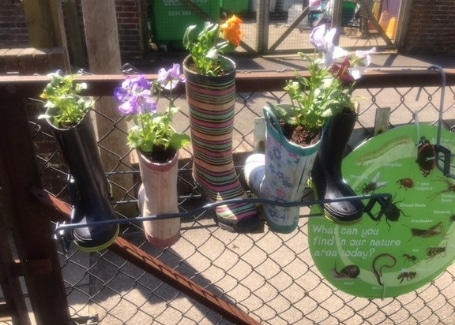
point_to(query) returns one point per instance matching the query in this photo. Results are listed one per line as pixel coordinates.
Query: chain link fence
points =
(270, 276)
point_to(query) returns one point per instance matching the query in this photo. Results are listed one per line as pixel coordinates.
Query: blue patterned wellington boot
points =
(280, 174)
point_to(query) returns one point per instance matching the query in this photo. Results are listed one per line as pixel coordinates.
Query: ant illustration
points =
(410, 258)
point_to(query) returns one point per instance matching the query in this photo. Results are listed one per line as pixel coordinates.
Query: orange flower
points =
(231, 30)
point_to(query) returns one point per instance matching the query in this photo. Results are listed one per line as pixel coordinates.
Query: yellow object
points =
(392, 28)
(384, 20)
(376, 10)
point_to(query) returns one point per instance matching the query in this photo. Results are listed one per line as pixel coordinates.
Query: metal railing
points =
(269, 276)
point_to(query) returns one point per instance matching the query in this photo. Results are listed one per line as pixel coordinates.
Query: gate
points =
(283, 26)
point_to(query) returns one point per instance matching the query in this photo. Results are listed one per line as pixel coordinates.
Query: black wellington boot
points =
(326, 177)
(88, 186)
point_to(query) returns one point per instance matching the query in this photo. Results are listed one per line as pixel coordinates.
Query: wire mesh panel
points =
(290, 23)
(270, 276)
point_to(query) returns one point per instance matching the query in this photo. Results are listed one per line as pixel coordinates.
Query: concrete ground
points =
(74, 272)
(243, 256)
(379, 60)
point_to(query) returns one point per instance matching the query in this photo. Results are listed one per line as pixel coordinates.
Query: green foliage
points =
(153, 130)
(211, 41)
(67, 107)
(316, 98)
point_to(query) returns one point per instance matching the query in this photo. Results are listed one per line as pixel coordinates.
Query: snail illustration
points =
(347, 272)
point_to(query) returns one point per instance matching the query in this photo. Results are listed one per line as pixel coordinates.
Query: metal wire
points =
(270, 276)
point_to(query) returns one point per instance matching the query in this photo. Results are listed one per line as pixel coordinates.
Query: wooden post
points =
(15, 307)
(32, 230)
(262, 17)
(45, 25)
(337, 19)
(381, 120)
(74, 32)
(103, 49)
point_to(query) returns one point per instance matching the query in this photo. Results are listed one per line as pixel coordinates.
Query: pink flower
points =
(342, 71)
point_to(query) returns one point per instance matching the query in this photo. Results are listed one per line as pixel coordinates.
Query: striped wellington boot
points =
(211, 106)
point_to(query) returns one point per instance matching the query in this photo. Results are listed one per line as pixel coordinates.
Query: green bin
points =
(348, 12)
(172, 17)
(234, 6)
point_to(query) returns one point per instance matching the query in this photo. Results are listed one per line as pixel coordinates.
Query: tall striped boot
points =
(211, 106)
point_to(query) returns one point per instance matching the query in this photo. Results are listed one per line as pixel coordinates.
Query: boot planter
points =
(158, 195)
(326, 178)
(211, 106)
(280, 174)
(89, 187)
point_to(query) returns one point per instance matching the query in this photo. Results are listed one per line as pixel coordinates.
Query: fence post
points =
(30, 225)
(263, 26)
(104, 58)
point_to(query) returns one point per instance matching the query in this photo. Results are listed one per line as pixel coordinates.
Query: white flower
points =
(323, 41)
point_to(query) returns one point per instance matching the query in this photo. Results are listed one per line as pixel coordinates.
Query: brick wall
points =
(131, 17)
(13, 29)
(131, 29)
(431, 29)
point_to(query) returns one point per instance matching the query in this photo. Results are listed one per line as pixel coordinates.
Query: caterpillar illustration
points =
(393, 149)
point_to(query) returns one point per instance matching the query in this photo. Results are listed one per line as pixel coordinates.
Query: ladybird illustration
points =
(406, 182)
(426, 156)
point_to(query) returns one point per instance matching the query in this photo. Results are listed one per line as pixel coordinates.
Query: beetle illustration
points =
(391, 211)
(406, 182)
(426, 156)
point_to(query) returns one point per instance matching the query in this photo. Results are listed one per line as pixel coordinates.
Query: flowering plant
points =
(65, 106)
(212, 40)
(328, 89)
(152, 133)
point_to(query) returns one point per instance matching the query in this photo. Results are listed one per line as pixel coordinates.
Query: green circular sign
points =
(413, 240)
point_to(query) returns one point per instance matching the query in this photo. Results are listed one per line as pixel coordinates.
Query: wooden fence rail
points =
(27, 218)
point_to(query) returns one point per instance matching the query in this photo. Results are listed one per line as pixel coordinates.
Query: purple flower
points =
(135, 96)
(120, 93)
(139, 104)
(140, 82)
(169, 79)
(321, 39)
